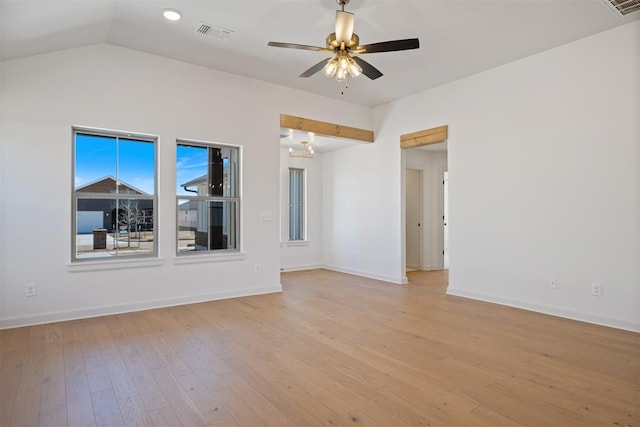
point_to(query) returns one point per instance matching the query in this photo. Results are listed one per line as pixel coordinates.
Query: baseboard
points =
(550, 310)
(395, 280)
(301, 267)
(433, 268)
(60, 316)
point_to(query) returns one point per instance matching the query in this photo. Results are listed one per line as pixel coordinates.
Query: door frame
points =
(420, 191)
(410, 140)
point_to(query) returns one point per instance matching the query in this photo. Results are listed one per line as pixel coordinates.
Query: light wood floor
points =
(332, 349)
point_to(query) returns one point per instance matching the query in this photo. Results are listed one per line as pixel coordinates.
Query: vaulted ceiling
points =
(458, 37)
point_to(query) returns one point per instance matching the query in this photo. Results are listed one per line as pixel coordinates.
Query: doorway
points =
(414, 219)
(426, 151)
(305, 144)
(428, 165)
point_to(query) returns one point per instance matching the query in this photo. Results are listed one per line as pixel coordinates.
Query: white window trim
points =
(196, 258)
(111, 264)
(215, 255)
(304, 209)
(298, 243)
(126, 260)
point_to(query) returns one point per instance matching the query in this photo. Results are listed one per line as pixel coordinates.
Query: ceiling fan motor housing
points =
(332, 42)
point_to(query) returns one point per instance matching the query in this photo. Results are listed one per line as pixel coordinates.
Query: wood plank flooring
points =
(333, 349)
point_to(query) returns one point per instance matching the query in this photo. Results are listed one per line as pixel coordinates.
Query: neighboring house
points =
(207, 219)
(102, 213)
(187, 215)
(200, 183)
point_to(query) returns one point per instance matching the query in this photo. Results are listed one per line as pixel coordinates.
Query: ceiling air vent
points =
(623, 7)
(213, 32)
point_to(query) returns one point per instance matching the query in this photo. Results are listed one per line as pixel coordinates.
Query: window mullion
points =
(117, 165)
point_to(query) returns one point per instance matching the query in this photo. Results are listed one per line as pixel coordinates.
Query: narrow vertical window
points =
(296, 204)
(208, 197)
(114, 195)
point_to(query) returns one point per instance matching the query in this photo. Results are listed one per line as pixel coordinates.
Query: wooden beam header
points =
(424, 137)
(325, 128)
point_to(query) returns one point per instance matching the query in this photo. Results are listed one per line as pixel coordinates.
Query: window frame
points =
(303, 206)
(75, 196)
(237, 199)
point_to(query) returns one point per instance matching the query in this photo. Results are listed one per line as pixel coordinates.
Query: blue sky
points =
(133, 162)
(96, 158)
(191, 163)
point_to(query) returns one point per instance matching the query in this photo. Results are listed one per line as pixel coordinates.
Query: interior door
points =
(413, 188)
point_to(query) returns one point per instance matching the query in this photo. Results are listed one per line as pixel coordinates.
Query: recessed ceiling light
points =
(172, 14)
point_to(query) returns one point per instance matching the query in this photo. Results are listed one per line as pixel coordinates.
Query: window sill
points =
(194, 259)
(81, 266)
(298, 243)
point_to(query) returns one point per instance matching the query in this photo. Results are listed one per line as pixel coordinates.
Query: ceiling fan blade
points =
(368, 69)
(311, 71)
(300, 46)
(344, 26)
(390, 46)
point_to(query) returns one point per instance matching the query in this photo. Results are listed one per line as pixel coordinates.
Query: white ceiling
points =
(458, 37)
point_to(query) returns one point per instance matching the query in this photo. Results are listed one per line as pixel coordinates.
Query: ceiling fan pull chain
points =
(346, 85)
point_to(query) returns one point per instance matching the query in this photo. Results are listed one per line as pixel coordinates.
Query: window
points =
(297, 198)
(208, 197)
(114, 195)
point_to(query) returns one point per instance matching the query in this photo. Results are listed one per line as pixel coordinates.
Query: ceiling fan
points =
(344, 44)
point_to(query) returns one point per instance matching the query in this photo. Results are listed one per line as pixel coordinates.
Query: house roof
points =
(199, 180)
(107, 182)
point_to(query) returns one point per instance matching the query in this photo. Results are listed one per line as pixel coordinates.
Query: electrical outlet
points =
(258, 269)
(596, 289)
(30, 290)
(552, 282)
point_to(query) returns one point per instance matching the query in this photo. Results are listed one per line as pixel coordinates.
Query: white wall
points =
(361, 227)
(307, 254)
(115, 88)
(433, 164)
(543, 180)
(543, 174)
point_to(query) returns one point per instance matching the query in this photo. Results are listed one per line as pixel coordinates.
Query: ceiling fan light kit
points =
(341, 66)
(345, 44)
